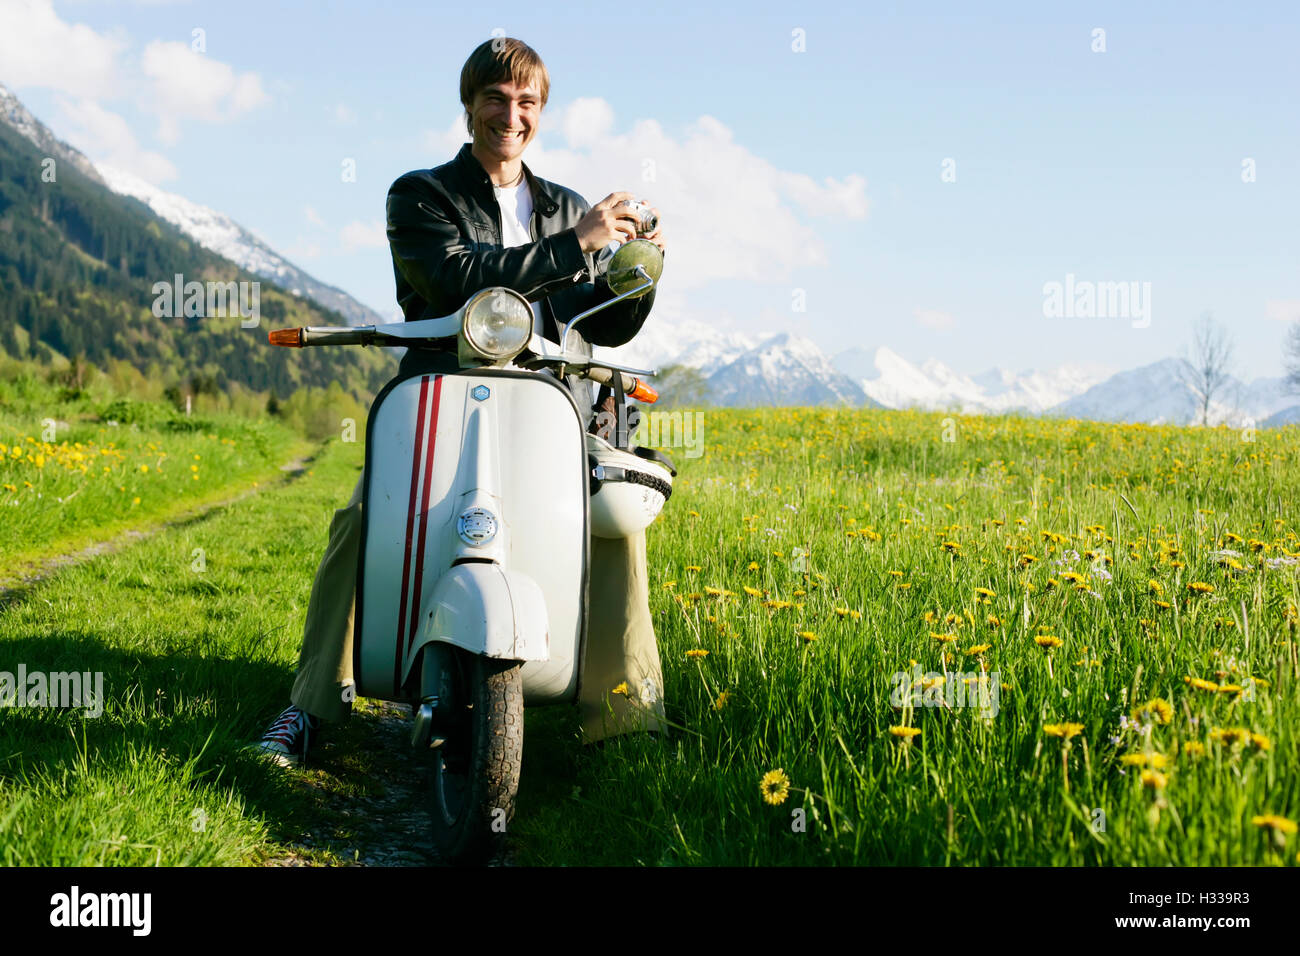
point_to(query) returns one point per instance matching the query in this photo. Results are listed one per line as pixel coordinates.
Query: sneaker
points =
(288, 739)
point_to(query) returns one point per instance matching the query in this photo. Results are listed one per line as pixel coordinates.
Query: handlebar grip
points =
(290, 337)
(639, 390)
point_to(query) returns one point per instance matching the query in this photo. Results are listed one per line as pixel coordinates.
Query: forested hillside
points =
(78, 265)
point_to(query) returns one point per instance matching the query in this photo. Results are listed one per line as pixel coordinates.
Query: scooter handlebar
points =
(632, 387)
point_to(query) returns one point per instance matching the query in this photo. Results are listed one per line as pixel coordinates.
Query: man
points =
(484, 219)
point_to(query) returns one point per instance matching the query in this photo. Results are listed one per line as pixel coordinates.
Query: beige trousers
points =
(621, 647)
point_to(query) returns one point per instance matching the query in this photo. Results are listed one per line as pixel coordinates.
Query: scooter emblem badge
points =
(476, 527)
(480, 392)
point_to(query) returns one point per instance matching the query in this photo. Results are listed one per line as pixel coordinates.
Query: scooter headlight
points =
(497, 323)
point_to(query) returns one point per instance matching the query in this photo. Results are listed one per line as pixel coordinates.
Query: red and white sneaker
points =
(288, 739)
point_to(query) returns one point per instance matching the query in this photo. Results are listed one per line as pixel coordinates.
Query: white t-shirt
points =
(516, 204)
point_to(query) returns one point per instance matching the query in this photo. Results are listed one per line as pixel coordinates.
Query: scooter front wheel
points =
(475, 773)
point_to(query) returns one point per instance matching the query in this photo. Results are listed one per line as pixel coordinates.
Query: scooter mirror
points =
(621, 273)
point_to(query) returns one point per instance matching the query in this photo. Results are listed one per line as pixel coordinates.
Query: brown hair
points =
(499, 60)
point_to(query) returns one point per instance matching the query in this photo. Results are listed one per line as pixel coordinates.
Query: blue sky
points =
(776, 170)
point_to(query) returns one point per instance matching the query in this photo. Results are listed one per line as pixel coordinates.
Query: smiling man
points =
(483, 220)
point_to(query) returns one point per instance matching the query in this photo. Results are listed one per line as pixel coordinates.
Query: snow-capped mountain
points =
(690, 342)
(894, 382)
(743, 370)
(222, 235)
(14, 115)
(209, 228)
(1158, 394)
(1288, 416)
(779, 369)
(784, 369)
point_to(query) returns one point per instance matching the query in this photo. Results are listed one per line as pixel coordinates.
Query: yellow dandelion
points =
(1048, 641)
(1200, 683)
(775, 786)
(905, 733)
(944, 638)
(1229, 735)
(978, 649)
(808, 636)
(752, 592)
(721, 702)
(1275, 823)
(1193, 748)
(1154, 779)
(1200, 587)
(1156, 709)
(620, 688)
(693, 567)
(697, 652)
(1154, 760)
(1065, 730)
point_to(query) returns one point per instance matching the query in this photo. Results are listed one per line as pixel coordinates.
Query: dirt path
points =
(370, 789)
(387, 823)
(15, 587)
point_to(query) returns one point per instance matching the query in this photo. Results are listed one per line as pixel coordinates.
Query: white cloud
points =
(728, 213)
(104, 135)
(1283, 310)
(933, 319)
(587, 121)
(364, 235)
(441, 145)
(313, 216)
(344, 115)
(39, 49)
(190, 85)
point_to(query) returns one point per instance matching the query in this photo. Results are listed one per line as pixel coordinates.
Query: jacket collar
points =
(544, 200)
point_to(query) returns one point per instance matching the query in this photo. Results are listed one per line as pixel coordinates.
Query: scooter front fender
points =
(485, 610)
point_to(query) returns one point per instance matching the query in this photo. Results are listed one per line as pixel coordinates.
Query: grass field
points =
(823, 582)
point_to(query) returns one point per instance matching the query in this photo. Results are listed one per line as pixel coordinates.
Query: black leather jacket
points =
(444, 231)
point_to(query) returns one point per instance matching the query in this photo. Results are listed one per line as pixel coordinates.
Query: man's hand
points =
(604, 224)
(657, 237)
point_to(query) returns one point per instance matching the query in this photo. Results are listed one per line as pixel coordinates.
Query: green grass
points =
(967, 790)
(195, 663)
(73, 473)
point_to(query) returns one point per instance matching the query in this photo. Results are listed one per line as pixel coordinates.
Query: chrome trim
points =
(640, 270)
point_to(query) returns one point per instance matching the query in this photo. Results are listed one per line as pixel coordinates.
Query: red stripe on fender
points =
(424, 512)
(410, 529)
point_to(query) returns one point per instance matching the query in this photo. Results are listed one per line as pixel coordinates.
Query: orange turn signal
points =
(643, 392)
(289, 337)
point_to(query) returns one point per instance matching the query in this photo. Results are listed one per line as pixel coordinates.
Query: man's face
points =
(504, 118)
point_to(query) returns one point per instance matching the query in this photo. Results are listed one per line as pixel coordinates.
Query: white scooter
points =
(480, 493)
